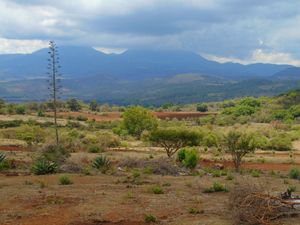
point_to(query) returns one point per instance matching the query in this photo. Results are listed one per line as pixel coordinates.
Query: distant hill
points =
(141, 76)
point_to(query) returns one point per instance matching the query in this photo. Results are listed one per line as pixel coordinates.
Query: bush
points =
(102, 163)
(2, 157)
(202, 108)
(217, 187)
(4, 164)
(20, 109)
(42, 167)
(281, 143)
(73, 105)
(189, 157)
(181, 154)
(294, 173)
(95, 149)
(65, 180)
(150, 218)
(157, 190)
(54, 153)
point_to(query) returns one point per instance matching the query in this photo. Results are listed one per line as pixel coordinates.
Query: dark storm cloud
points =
(228, 28)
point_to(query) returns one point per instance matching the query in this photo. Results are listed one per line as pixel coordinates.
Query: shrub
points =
(73, 105)
(294, 173)
(181, 154)
(150, 218)
(102, 163)
(65, 180)
(138, 119)
(281, 143)
(20, 109)
(255, 173)
(216, 187)
(2, 157)
(42, 167)
(82, 118)
(95, 149)
(202, 107)
(157, 190)
(174, 139)
(189, 157)
(54, 153)
(4, 164)
(211, 140)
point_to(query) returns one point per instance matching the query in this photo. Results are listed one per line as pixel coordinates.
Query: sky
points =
(244, 31)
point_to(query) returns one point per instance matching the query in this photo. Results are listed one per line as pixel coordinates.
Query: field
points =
(112, 167)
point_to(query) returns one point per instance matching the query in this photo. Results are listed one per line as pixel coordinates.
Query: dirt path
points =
(251, 165)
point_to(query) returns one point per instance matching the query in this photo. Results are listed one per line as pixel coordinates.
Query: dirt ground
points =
(111, 199)
(108, 199)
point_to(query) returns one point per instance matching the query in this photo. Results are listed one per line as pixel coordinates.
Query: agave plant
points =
(2, 157)
(102, 163)
(42, 167)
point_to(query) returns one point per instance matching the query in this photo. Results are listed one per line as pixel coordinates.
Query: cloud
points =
(225, 28)
(259, 56)
(21, 46)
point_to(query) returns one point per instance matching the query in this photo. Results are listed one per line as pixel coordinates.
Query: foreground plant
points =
(102, 163)
(2, 157)
(65, 180)
(43, 167)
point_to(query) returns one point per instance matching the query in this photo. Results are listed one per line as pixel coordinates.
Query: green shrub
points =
(217, 187)
(2, 157)
(54, 153)
(95, 149)
(102, 163)
(210, 140)
(65, 180)
(20, 109)
(281, 143)
(181, 154)
(294, 173)
(229, 176)
(202, 107)
(255, 173)
(42, 167)
(157, 190)
(189, 157)
(150, 218)
(81, 118)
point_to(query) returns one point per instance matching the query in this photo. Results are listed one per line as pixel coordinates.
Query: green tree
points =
(174, 139)
(238, 145)
(202, 107)
(73, 105)
(138, 119)
(94, 105)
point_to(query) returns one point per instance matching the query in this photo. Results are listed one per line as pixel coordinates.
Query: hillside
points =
(141, 77)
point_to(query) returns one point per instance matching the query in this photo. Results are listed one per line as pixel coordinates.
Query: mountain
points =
(290, 73)
(141, 76)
